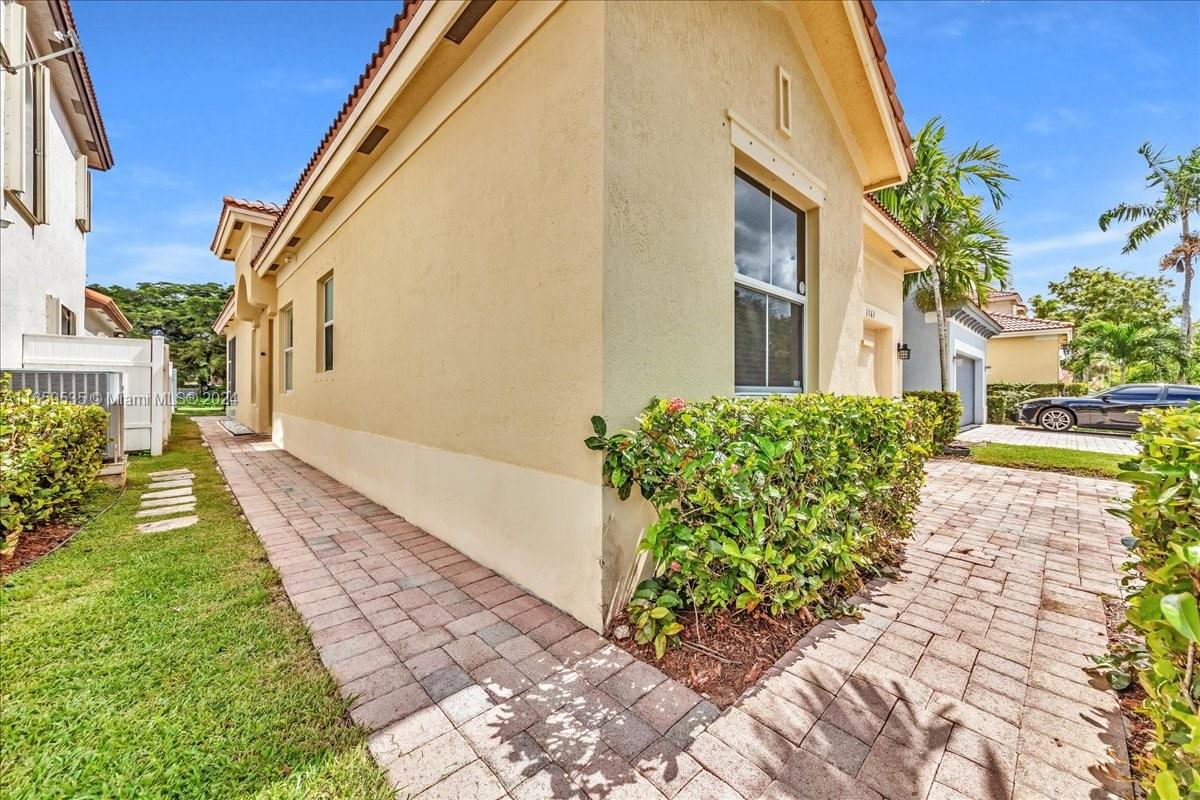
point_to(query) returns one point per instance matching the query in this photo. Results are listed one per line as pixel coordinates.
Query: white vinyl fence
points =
(144, 363)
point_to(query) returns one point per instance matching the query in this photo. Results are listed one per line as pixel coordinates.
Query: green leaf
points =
(1165, 787)
(598, 425)
(673, 629)
(1179, 610)
(594, 443)
(660, 646)
(658, 612)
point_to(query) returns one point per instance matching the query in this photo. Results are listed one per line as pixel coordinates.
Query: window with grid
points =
(769, 290)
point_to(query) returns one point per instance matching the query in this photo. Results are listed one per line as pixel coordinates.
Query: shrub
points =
(770, 503)
(949, 413)
(50, 452)
(1164, 514)
(1004, 399)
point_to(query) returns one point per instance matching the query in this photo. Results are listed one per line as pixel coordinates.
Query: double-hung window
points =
(327, 323)
(231, 369)
(769, 290)
(285, 336)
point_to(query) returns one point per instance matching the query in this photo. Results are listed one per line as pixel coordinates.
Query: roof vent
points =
(237, 225)
(322, 203)
(226, 251)
(292, 242)
(372, 141)
(898, 254)
(467, 20)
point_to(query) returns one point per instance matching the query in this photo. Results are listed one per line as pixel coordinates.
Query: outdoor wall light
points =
(903, 351)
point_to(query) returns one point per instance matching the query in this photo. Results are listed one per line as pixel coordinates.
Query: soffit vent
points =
(372, 141)
(292, 242)
(468, 19)
(237, 225)
(226, 251)
(898, 254)
(323, 203)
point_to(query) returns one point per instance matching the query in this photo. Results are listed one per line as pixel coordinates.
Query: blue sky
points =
(203, 99)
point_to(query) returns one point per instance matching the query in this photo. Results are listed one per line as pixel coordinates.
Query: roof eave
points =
(64, 20)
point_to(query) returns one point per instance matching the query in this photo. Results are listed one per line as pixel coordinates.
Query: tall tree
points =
(1099, 293)
(183, 314)
(971, 250)
(1177, 181)
(1128, 343)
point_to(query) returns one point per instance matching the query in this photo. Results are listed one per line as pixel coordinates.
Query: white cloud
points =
(183, 262)
(1057, 119)
(1069, 241)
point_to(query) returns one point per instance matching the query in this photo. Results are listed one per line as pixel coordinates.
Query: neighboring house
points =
(53, 137)
(1027, 349)
(103, 316)
(529, 213)
(971, 331)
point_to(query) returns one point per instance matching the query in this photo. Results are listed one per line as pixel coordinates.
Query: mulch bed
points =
(34, 544)
(1139, 729)
(742, 646)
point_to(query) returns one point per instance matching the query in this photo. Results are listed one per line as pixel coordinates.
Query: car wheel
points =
(1056, 420)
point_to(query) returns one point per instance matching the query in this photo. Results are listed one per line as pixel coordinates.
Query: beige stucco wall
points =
(672, 72)
(468, 325)
(1023, 359)
(561, 246)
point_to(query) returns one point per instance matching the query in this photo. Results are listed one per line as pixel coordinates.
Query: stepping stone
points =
(161, 525)
(167, 501)
(162, 512)
(171, 484)
(172, 473)
(167, 493)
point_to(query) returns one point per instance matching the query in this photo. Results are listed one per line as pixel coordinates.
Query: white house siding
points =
(922, 370)
(41, 260)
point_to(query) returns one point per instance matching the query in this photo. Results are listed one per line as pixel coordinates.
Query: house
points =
(53, 139)
(971, 331)
(1027, 349)
(102, 316)
(529, 213)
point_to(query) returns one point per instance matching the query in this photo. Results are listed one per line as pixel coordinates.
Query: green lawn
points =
(168, 665)
(1057, 459)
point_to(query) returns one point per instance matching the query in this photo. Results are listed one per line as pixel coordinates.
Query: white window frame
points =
(771, 290)
(287, 337)
(327, 360)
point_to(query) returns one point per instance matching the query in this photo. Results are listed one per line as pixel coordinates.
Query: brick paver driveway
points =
(1071, 440)
(964, 678)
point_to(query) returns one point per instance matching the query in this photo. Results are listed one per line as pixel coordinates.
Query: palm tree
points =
(1178, 183)
(971, 251)
(1128, 343)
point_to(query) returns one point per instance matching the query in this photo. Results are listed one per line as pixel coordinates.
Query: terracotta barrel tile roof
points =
(386, 45)
(889, 81)
(1003, 296)
(261, 206)
(917, 240)
(1009, 322)
(60, 11)
(94, 299)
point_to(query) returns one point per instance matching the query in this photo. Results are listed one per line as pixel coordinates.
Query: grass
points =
(168, 665)
(200, 411)
(1055, 459)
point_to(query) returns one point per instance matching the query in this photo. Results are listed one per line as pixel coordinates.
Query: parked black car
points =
(1117, 408)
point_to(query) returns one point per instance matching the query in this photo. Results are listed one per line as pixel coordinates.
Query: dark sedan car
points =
(1116, 408)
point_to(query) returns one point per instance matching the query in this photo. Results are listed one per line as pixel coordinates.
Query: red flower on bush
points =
(676, 566)
(676, 405)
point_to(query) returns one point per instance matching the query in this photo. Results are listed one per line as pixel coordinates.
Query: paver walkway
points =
(1071, 440)
(964, 678)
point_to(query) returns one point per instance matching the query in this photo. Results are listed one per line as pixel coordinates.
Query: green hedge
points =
(50, 453)
(1004, 399)
(1164, 514)
(768, 503)
(949, 414)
